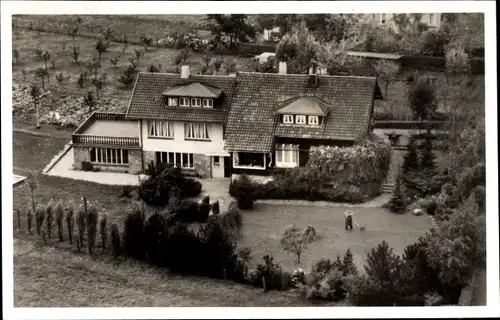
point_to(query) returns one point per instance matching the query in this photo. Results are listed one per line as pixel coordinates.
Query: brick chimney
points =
(282, 68)
(185, 73)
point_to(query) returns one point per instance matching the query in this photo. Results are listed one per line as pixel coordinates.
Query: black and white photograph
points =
(249, 154)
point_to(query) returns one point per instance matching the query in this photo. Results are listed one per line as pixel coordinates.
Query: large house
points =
(433, 20)
(215, 126)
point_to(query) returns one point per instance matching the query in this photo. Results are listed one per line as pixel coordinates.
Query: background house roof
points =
(306, 106)
(252, 122)
(195, 89)
(148, 101)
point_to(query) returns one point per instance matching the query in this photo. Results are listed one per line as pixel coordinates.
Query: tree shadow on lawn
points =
(263, 227)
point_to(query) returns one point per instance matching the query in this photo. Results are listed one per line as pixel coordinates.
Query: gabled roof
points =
(195, 89)
(148, 101)
(252, 123)
(306, 106)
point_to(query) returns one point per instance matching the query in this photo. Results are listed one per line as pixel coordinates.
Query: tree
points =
(286, 22)
(73, 32)
(153, 69)
(386, 71)
(334, 55)
(75, 54)
(46, 58)
(89, 101)
(107, 33)
(127, 78)
(349, 267)
(33, 185)
(233, 26)
(146, 42)
(295, 241)
(434, 43)
(397, 203)
(428, 161)
(410, 162)
(423, 100)
(60, 77)
(15, 55)
(457, 64)
(99, 82)
(298, 49)
(101, 47)
(42, 73)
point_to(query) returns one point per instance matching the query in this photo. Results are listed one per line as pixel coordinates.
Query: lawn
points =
(263, 226)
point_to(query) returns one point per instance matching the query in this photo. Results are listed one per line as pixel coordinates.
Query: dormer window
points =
(208, 103)
(196, 102)
(288, 118)
(184, 102)
(300, 119)
(172, 102)
(313, 120)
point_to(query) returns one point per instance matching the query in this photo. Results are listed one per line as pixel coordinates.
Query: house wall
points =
(179, 144)
(431, 19)
(134, 166)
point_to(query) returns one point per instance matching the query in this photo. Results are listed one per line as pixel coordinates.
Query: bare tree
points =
(89, 101)
(46, 57)
(42, 73)
(101, 47)
(386, 71)
(75, 54)
(36, 94)
(99, 82)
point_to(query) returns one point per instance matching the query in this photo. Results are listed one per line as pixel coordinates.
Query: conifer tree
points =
(397, 203)
(410, 162)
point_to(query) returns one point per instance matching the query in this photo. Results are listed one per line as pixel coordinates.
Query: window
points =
(108, 156)
(184, 102)
(384, 18)
(216, 160)
(196, 102)
(183, 160)
(300, 119)
(197, 130)
(172, 102)
(160, 128)
(314, 120)
(431, 18)
(287, 155)
(208, 103)
(249, 160)
(287, 118)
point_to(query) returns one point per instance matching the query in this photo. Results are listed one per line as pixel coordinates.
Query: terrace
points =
(109, 129)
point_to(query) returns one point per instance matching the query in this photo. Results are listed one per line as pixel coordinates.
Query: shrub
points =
(330, 287)
(80, 223)
(134, 237)
(397, 203)
(432, 207)
(116, 240)
(87, 166)
(49, 217)
(232, 220)
(270, 276)
(127, 191)
(59, 211)
(91, 223)
(103, 230)
(216, 208)
(188, 211)
(204, 209)
(295, 240)
(184, 250)
(155, 235)
(70, 221)
(243, 190)
(40, 218)
(29, 218)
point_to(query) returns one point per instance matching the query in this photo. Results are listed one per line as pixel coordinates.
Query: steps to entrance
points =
(388, 188)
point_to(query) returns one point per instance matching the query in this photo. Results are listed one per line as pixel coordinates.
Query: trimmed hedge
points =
(351, 174)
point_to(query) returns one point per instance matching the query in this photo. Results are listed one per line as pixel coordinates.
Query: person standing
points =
(348, 219)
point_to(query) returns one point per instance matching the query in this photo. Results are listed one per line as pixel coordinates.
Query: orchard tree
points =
(75, 54)
(146, 42)
(234, 26)
(295, 241)
(46, 58)
(42, 73)
(99, 82)
(36, 94)
(101, 47)
(89, 101)
(127, 78)
(73, 32)
(386, 71)
(153, 68)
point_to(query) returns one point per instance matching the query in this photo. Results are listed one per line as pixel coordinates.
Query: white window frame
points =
(287, 155)
(160, 129)
(172, 102)
(196, 102)
(288, 119)
(237, 166)
(188, 165)
(208, 103)
(303, 119)
(182, 102)
(313, 120)
(102, 154)
(197, 131)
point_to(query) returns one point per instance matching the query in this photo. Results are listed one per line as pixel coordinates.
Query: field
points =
(61, 46)
(263, 226)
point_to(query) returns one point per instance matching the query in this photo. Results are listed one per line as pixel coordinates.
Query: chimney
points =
(282, 68)
(185, 72)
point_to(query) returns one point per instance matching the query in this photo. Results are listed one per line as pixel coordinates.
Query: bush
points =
(162, 180)
(188, 211)
(127, 191)
(204, 209)
(432, 207)
(70, 221)
(155, 235)
(134, 237)
(91, 223)
(80, 223)
(59, 211)
(397, 203)
(87, 166)
(274, 276)
(116, 240)
(330, 287)
(103, 229)
(216, 208)
(49, 217)
(232, 220)
(40, 218)
(243, 189)
(183, 251)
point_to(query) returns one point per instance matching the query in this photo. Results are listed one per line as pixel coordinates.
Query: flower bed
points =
(67, 111)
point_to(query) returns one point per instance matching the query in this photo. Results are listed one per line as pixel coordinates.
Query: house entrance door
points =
(217, 163)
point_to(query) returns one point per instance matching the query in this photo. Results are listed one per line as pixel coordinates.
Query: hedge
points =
(438, 63)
